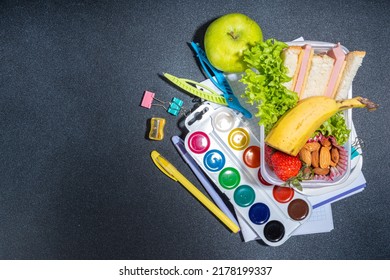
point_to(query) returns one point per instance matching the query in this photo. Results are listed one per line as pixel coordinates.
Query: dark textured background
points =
(76, 179)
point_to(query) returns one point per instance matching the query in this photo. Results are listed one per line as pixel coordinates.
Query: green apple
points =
(227, 37)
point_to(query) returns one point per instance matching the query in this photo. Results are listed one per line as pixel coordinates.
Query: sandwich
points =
(321, 74)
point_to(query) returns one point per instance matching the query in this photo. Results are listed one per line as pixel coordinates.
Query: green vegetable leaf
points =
(336, 127)
(264, 80)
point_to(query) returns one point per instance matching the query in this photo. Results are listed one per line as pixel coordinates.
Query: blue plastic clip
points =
(218, 79)
(175, 106)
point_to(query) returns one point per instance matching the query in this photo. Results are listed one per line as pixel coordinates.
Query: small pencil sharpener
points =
(157, 129)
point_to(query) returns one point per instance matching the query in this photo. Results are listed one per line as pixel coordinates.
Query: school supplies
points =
(173, 107)
(357, 144)
(168, 169)
(217, 77)
(156, 129)
(222, 144)
(179, 145)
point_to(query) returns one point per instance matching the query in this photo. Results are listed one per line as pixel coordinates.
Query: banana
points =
(293, 129)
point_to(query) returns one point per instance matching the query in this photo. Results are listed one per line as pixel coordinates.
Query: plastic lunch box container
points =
(269, 175)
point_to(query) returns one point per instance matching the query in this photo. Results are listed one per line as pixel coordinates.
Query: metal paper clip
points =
(357, 145)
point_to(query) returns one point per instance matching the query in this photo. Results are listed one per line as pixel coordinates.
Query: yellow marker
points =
(168, 169)
(157, 128)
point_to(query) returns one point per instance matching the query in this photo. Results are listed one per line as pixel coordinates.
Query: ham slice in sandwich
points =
(353, 61)
(321, 74)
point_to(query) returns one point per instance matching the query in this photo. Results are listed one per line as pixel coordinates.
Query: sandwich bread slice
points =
(292, 58)
(321, 74)
(353, 62)
(318, 76)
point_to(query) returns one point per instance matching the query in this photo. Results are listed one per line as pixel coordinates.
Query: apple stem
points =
(234, 36)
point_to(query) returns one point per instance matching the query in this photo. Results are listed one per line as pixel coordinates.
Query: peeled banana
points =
(293, 129)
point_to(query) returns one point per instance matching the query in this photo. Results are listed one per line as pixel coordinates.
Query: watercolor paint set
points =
(223, 145)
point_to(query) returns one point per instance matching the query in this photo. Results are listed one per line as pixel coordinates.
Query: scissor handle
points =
(214, 77)
(219, 81)
(234, 103)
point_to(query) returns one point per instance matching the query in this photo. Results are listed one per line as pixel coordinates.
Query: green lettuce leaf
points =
(336, 126)
(264, 80)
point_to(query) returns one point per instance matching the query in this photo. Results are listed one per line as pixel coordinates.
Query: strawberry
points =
(285, 166)
(268, 151)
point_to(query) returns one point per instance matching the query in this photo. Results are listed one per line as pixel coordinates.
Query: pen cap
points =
(161, 164)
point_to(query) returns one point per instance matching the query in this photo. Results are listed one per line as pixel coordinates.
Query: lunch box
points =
(266, 171)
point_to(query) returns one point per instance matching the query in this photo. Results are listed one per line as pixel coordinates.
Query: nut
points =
(315, 158)
(305, 156)
(312, 146)
(321, 171)
(335, 155)
(324, 157)
(325, 142)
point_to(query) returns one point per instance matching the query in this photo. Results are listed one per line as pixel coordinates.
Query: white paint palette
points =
(224, 147)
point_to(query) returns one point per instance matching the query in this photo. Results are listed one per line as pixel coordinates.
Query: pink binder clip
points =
(147, 100)
(172, 107)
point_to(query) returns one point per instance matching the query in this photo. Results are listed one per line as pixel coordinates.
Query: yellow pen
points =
(168, 169)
